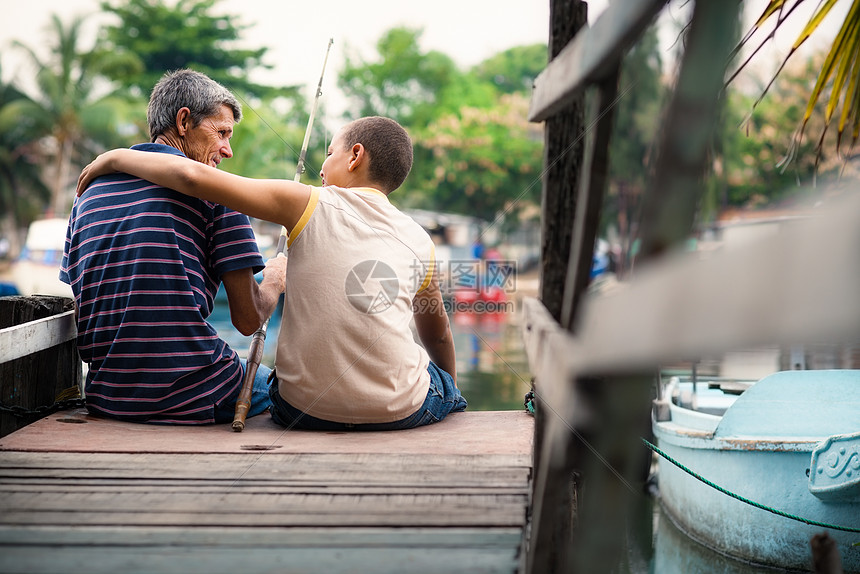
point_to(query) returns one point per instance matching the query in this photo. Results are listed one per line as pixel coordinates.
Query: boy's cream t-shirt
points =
(346, 352)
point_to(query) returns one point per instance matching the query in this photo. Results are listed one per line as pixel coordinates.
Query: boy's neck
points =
(365, 185)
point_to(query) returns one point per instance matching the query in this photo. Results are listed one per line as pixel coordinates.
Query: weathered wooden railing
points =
(595, 356)
(39, 361)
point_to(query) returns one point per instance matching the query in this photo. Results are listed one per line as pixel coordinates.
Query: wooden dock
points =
(86, 494)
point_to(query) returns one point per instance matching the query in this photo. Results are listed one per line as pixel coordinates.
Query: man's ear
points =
(358, 156)
(183, 121)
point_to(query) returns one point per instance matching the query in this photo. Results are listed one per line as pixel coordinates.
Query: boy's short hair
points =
(387, 144)
(187, 89)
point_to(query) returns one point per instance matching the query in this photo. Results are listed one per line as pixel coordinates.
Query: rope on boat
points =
(746, 500)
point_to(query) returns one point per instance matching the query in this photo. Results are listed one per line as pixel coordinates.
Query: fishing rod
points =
(258, 341)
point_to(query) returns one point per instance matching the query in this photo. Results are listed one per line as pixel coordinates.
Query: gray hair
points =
(187, 89)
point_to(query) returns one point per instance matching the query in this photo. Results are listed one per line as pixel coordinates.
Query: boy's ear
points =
(357, 157)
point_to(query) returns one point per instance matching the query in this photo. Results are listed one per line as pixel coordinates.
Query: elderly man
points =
(144, 263)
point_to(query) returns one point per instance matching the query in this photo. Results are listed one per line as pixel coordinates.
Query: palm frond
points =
(839, 72)
(855, 105)
(772, 8)
(814, 22)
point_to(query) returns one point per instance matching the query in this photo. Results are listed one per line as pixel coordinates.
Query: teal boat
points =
(782, 457)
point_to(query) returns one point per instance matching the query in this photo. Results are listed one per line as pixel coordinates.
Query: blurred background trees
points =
(475, 152)
(152, 37)
(74, 121)
(23, 193)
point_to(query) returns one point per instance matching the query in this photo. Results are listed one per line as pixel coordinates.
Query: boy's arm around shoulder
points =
(434, 330)
(277, 200)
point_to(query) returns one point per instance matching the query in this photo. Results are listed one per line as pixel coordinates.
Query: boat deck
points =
(85, 494)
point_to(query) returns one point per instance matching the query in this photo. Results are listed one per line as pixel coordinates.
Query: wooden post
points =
(589, 429)
(563, 151)
(608, 457)
(36, 379)
(594, 180)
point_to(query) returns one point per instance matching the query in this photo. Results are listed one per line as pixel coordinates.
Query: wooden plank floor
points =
(82, 494)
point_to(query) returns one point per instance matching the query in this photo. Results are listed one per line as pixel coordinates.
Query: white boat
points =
(790, 444)
(37, 269)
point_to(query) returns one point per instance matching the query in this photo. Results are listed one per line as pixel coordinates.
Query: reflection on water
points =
(675, 552)
(655, 545)
(220, 319)
(492, 370)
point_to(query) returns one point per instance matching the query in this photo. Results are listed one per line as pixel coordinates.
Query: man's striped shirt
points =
(144, 263)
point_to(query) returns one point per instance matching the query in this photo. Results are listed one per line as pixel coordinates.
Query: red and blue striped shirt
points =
(144, 263)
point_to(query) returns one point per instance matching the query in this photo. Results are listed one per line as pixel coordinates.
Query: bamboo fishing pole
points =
(258, 341)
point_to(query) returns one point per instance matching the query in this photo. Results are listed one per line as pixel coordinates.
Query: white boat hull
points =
(771, 469)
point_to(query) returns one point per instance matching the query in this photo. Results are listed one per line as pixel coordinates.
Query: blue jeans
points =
(442, 398)
(226, 410)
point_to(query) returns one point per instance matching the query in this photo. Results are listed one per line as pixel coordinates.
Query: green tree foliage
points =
(759, 165)
(152, 37)
(475, 152)
(481, 161)
(22, 191)
(838, 74)
(637, 116)
(82, 123)
(268, 140)
(404, 83)
(514, 70)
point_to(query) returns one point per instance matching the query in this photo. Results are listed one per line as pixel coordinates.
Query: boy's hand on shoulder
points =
(100, 166)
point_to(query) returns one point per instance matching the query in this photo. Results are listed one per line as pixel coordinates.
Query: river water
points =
(493, 374)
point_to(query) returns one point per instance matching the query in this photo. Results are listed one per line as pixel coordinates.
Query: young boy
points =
(359, 271)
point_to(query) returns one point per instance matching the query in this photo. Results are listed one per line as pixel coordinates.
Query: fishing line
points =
(262, 119)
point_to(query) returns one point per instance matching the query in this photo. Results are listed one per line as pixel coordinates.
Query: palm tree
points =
(22, 126)
(840, 70)
(81, 123)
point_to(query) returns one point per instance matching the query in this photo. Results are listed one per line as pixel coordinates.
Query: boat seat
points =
(799, 404)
